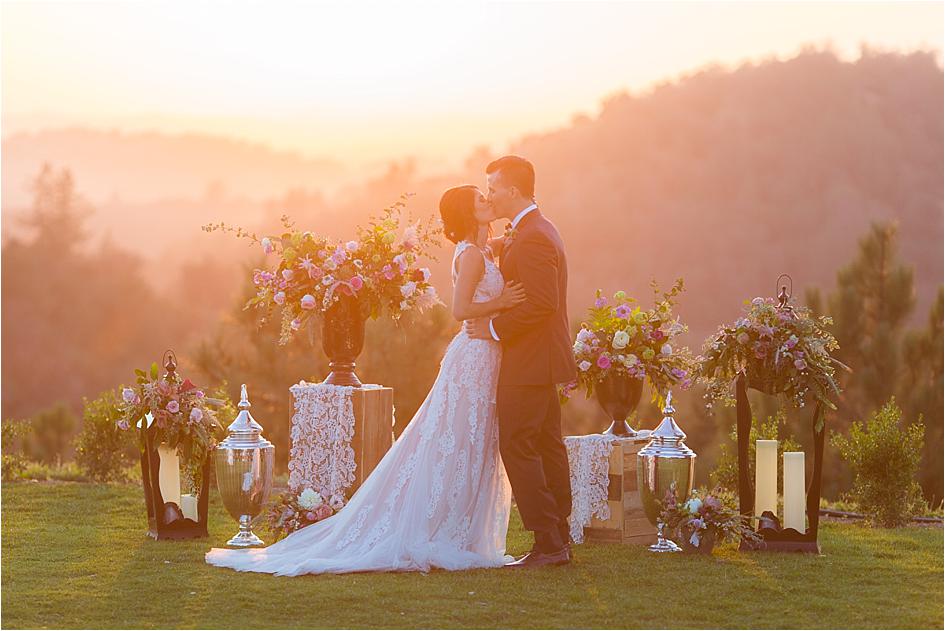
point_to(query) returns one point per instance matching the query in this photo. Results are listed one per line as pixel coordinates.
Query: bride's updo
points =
(458, 212)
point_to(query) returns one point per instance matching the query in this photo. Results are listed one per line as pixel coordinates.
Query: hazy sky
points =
(362, 82)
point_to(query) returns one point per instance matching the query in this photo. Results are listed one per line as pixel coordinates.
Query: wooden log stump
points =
(628, 523)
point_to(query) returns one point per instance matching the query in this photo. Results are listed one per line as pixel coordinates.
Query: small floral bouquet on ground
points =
(292, 511)
(704, 520)
(380, 269)
(180, 413)
(781, 350)
(621, 338)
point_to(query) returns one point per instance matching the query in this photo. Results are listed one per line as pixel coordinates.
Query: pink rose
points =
(296, 324)
(603, 362)
(357, 283)
(323, 511)
(388, 272)
(315, 273)
(311, 516)
(267, 245)
(279, 298)
(308, 301)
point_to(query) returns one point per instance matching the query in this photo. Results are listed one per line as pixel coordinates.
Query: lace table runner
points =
(589, 457)
(321, 456)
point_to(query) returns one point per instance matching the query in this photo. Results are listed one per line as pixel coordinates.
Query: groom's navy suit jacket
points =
(536, 335)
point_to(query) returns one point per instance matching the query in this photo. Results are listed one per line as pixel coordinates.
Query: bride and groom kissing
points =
(490, 425)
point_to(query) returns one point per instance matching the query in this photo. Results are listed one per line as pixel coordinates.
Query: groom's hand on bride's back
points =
(478, 329)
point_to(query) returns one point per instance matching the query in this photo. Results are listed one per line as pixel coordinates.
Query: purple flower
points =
(128, 395)
(173, 406)
(623, 311)
(603, 362)
(800, 364)
(196, 415)
(267, 245)
(122, 424)
(388, 272)
(678, 373)
(600, 302)
(287, 274)
(791, 342)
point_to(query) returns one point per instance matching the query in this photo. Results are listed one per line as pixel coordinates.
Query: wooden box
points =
(627, 523)
(373, 430)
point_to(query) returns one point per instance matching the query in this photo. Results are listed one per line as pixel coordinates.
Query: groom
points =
(536, 355)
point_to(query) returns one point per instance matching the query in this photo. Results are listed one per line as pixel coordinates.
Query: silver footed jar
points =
(665, 467)
(244, 467)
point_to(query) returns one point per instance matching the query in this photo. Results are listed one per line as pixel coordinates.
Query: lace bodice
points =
(491, 284)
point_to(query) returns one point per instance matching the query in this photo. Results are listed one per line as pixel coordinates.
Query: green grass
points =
(75, 555)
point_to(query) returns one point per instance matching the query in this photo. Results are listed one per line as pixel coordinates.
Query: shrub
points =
(49, 439)
(13, 459)
(103, 451)
(725, 474)
(884, 458)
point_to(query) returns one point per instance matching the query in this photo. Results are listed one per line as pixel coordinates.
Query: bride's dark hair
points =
(458, 212)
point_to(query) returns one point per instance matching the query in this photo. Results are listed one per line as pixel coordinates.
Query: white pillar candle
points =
(188, 506)
(766, 476)
(794, 496)
(169, 475)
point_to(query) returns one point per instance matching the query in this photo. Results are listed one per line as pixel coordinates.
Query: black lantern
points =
(774, 537)
(167, 519)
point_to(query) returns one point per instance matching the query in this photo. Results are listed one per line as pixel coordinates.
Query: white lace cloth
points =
(321, 456)
(589, 457)
(438, 498)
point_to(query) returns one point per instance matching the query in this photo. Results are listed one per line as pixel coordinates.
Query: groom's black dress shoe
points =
(541, 559)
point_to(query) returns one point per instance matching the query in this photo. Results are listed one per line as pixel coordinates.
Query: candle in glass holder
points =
(169, 474)
(794, 498)
(188, 506)
(766, 476)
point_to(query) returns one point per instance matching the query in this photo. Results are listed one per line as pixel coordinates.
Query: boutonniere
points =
(510, 233)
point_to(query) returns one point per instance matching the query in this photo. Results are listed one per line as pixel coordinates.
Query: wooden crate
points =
(627, 523)
(373, 430)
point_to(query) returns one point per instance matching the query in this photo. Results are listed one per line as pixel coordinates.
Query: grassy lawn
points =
(75, 555)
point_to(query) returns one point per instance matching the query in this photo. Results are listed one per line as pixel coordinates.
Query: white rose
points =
(329, 264)
(337, 501)
(585, 365)
(408, 288)
(631, 360)
(621, 339)
(310, 500)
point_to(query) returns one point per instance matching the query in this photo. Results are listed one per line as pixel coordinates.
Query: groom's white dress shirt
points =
(515, 223)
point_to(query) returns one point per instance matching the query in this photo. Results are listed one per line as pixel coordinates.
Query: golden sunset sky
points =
(363, 82)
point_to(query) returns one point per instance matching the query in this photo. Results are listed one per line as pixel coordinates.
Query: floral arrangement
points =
(181, 417)
(781, 350)
(624, 339)
(703, 520)
(292, 511)
(380, 269)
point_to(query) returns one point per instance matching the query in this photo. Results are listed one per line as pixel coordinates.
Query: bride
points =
(439, 497)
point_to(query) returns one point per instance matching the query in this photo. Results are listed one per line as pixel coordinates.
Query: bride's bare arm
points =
(471, 268)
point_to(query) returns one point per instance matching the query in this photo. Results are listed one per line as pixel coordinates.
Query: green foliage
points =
(884, 458)
(51, 435)
(725, 474)
(103, 451)
(13, 430)
(40, 472)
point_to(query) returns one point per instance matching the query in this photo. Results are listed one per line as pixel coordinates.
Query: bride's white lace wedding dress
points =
(438, 499)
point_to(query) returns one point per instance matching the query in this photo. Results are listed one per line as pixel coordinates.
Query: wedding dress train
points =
(438, 499)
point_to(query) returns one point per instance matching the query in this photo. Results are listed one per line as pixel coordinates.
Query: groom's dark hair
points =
(515, 171)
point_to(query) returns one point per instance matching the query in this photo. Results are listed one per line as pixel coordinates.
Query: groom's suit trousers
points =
(534, 454)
